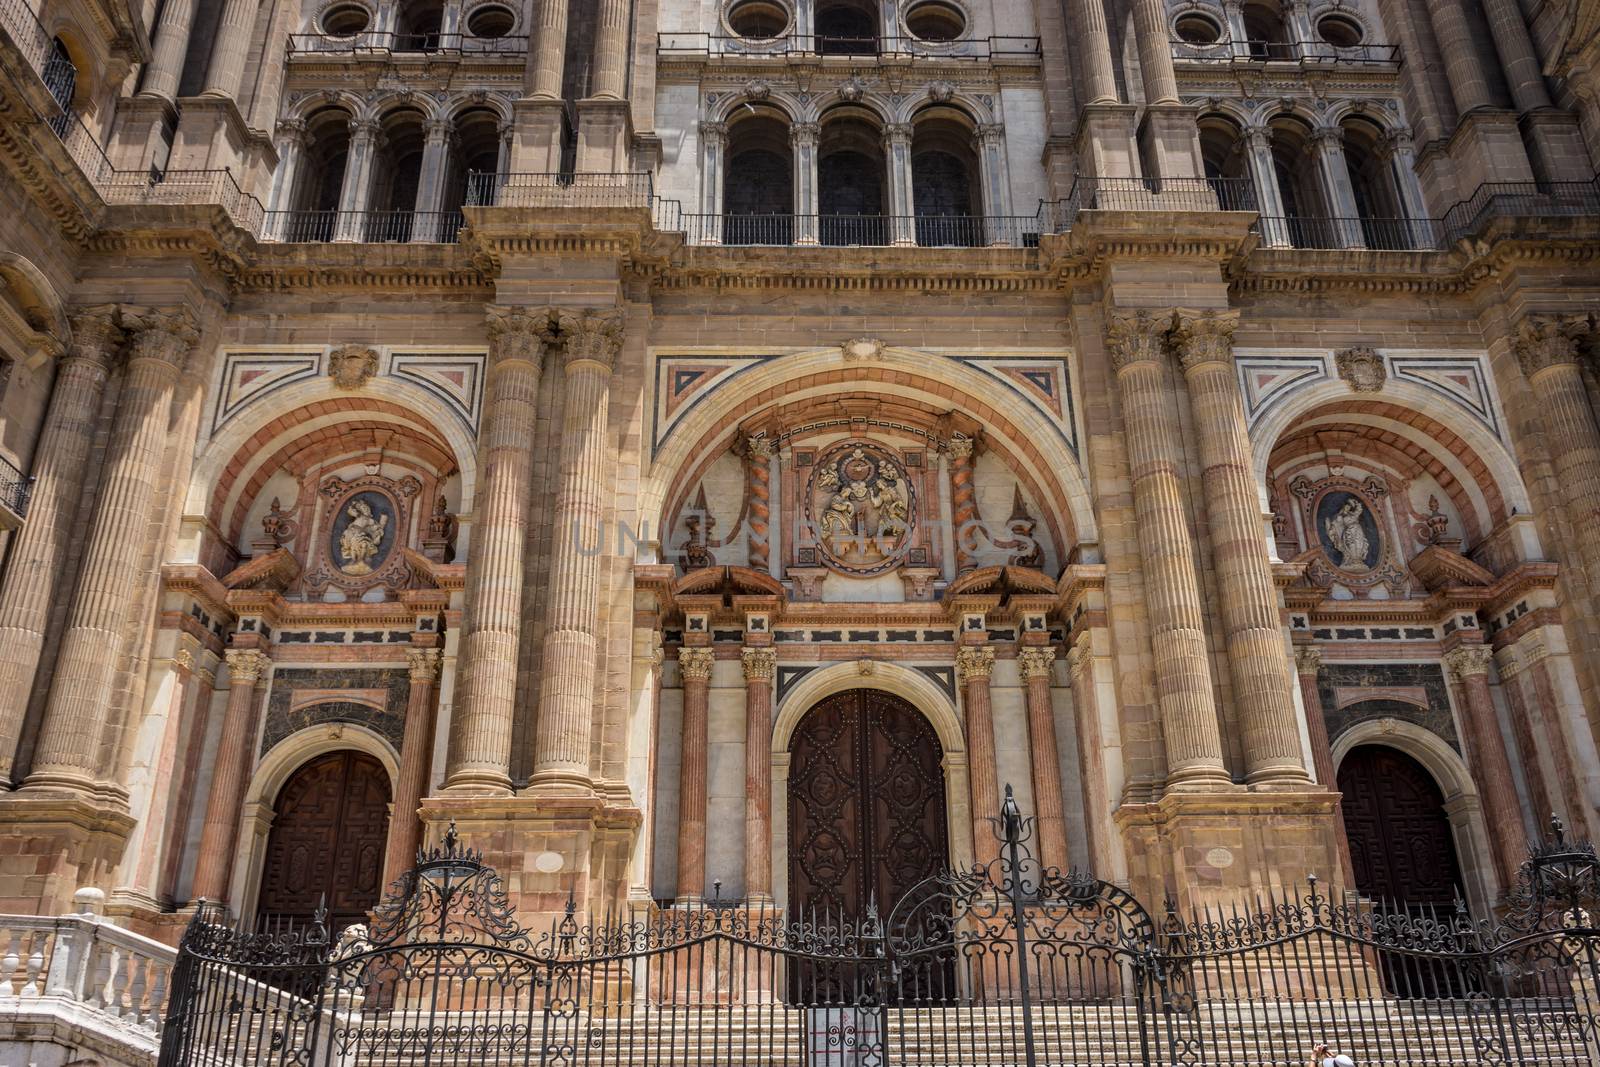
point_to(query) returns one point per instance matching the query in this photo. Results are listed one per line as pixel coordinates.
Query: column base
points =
(538, 128)
(1108, 142)
(55, 846)
(546, 851)
(213, 135)
(604, 130)
(1222, 848)
(1171, 141)
(1555, 141)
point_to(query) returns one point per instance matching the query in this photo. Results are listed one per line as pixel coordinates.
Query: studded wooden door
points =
(1400, 840)
(866, 804)
(327, 841)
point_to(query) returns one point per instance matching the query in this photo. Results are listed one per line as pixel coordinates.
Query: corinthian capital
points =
(974, 663)
(517, 333)
(1136, 336)
(1035, 662)
(1468, 661)
(696, 664)
(96, 334)
(246, 665)
(1546, 341)
(1201, 337)
(760, 664)
(591, 336)
(161, 334)
(423, 663)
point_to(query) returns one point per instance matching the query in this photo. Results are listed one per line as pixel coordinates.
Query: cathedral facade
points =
(711, 450)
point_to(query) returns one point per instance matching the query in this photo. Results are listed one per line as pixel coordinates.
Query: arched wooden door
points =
(328, 831)
(1400, 840)
(866, 804)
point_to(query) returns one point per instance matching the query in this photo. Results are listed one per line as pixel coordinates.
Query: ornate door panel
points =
(1400, 840)
(866, 804)
(328, 830)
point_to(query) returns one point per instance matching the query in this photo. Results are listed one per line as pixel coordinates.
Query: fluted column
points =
(1264, 176)
(366, 139)
(713, 157)
(480, 724)
(28, 591)
(169, 46)
(1548, 352)
(1088, 22)
(1509, 665)
(1524, 75)
(975, 664)
(760, 667)
(695, 664)
(566, 681)
(1189, 726)
(758, 453)
(1308, 663)
(547, 54)
(611, 49)
(1035, 663)
(1468, 666)
(291, 146)
(1263, 683)
(1091, 763)
(225, 73)
(247, 668)
(416, 751)
(963, 500)
(431, 180)
(1463, 66)
(87, 663)
(1155, 52)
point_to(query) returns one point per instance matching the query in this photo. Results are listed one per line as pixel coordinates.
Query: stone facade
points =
(556, 415)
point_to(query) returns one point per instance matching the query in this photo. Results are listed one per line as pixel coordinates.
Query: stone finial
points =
(162, 334)
(276, 525)
(246, 665)
(696, 663)
(1035, 661)
(1546, 341)
(760, 664)
(861, 348)
(975, 662)
(1136, 336)
(517, 333)
(591, 335)
(423, 663)
(1468, 661)
(1361, 368)
(1201, 337)
(352, 366)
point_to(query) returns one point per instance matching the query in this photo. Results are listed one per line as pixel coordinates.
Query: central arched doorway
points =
(1401, 844)
(866, 804)
(329, 826)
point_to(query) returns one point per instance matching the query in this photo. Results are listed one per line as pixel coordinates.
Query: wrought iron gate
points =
(993, 967)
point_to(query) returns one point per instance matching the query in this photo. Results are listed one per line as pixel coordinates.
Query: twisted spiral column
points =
(86, 667)
(760, 666)
(39, 549)
(480, 727)
(696, 665)
(963, 499)
(974, 665)
(1257, 657)
(592, 340)
(247, 668)
(1135, 340)
(1050, 816)
(758, 481)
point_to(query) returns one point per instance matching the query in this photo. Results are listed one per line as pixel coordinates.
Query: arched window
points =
(852, 178)
(313, 205)
(946, 197)
(758, 180)
(847, 28)
(61, 78)
(474, 156)
(419, 25)
(1266, 31)
(1372, 181)
(398, 170)
(1305, 207)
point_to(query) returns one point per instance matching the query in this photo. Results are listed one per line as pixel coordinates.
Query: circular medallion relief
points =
(861, 506)
(363, 533)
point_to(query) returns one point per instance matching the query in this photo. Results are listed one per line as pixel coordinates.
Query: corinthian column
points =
(225, 73)
(611, 49)
(1468, 666)
(760, 665)
(566, 681)
(37, 554)
(411, 781)
(696, 664)
(1050, 817)
(1155, 51)
(1258, 660)
(220, 834)
(974, 664)
(88, 662)
(480, 726)
(1548, 352)
(1172, 589)
(547, 54)
(758, 487)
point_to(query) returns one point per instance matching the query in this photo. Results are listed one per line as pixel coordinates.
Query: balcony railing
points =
(370, 227)
(688, 45)
(391, 43)
(184, 187)
(561, 190)
(1286, 52)
(15, 489)
(1521, 199)
(29, 36)
(1151, 194)
(1373, 234)
(840, 231)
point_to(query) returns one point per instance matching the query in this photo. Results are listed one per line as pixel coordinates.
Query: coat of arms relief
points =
(861, 508)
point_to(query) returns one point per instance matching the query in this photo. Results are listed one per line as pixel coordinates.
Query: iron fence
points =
(382, 43)
(695, 43)
(1389, 235)
(372, 227)
(925, 231)
(560, 189)
(1004, 965)
(1521, 200)
(15, 487)
(1385, 55)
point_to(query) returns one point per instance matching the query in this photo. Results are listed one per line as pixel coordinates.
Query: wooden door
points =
(327, 842)
(1400, 840)
(866, 805)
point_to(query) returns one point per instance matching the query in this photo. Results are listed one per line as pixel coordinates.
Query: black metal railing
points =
(372, 227)
(1149, 194)
(1521, 200)
(1002, 965)
(1387, 55)
(15, 489)
(694, 44)
(925, 231)
(570, 189)
(388, 42)
(1391, 235)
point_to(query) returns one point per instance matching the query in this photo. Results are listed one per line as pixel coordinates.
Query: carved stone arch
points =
(789, 108)
(46, 298)
(274, 770)
(1367, 110)
(962, 100)
(381, 105)
(303, 108)
(457, 103)
(871, 101)
(1282, 108)
(1233, 111)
